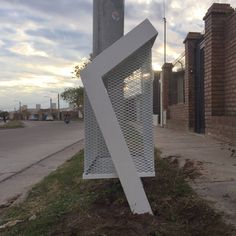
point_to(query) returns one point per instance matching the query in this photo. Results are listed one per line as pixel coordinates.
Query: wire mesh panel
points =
(129, 87)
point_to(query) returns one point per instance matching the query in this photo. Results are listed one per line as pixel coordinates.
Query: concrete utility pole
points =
(108, 23)
(108, 27)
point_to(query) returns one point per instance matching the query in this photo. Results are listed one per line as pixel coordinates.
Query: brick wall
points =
(223, 127)
(220, 71)
(182, 116)
(178, 117)
(219, 76)
(166, 76)
(230, 66)
(176, 114)
(214, 58)
(190, 46)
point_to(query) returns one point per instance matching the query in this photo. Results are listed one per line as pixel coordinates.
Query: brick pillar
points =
(190, 42)
(166, 75)
(214, 59)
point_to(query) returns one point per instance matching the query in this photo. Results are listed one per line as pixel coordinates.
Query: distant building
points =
(24, 108)
(54, 106)
(38, 107)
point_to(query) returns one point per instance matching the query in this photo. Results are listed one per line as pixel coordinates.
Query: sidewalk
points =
(216, 160)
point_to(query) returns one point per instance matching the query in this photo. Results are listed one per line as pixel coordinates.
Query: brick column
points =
(190, 42)
(214, 59)
(166, 75)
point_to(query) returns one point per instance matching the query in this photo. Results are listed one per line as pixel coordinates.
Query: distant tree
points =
(74, 96)
(4, 115)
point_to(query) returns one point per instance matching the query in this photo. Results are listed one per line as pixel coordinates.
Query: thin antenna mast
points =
(164, 18)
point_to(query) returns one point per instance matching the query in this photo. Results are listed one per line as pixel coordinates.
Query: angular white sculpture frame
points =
(106, 118)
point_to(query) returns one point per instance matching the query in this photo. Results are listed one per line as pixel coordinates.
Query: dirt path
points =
(215, 159)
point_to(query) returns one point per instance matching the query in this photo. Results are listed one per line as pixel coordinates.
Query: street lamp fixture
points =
(20, 111)
(50, 102)
(58, 103)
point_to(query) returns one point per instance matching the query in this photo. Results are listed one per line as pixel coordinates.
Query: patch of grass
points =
(64, 204)
(12, 124)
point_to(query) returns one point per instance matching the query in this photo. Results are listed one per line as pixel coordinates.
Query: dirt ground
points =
(64, 204)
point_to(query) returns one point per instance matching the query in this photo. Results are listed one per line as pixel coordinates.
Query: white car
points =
(49, 118)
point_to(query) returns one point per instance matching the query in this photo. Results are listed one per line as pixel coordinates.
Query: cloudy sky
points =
(42, 40)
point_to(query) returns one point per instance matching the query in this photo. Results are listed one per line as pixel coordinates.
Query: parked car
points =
(33, 117)
(49, 118)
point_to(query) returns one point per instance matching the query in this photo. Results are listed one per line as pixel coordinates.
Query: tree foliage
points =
(78, 68)
(3, 114)
(74, 96)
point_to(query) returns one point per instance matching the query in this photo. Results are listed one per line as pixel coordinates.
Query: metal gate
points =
(199, 89)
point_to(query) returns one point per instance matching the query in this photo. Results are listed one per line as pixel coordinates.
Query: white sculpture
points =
(118, 86)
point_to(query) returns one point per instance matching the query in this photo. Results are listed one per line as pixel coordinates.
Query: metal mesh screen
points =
(129, 87)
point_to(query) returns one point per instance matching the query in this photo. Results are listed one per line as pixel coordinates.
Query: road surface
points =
(21, 149)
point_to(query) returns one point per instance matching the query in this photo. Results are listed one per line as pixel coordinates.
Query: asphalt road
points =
(20, 148)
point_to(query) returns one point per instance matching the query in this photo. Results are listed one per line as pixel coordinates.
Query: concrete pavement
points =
(30, 153)
(216, 160)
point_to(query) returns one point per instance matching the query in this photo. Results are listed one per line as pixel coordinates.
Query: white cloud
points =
(27, 49)
(141, 1)
(1, 43)
(34, 82)
(175, 5)
(57, 70)
(44, 61)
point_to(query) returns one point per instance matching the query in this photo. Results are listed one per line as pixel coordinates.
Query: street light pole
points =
(164, 39)
(20, 107)
(51, 106)
(164, 18)
(58, 104)
(50, 103)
